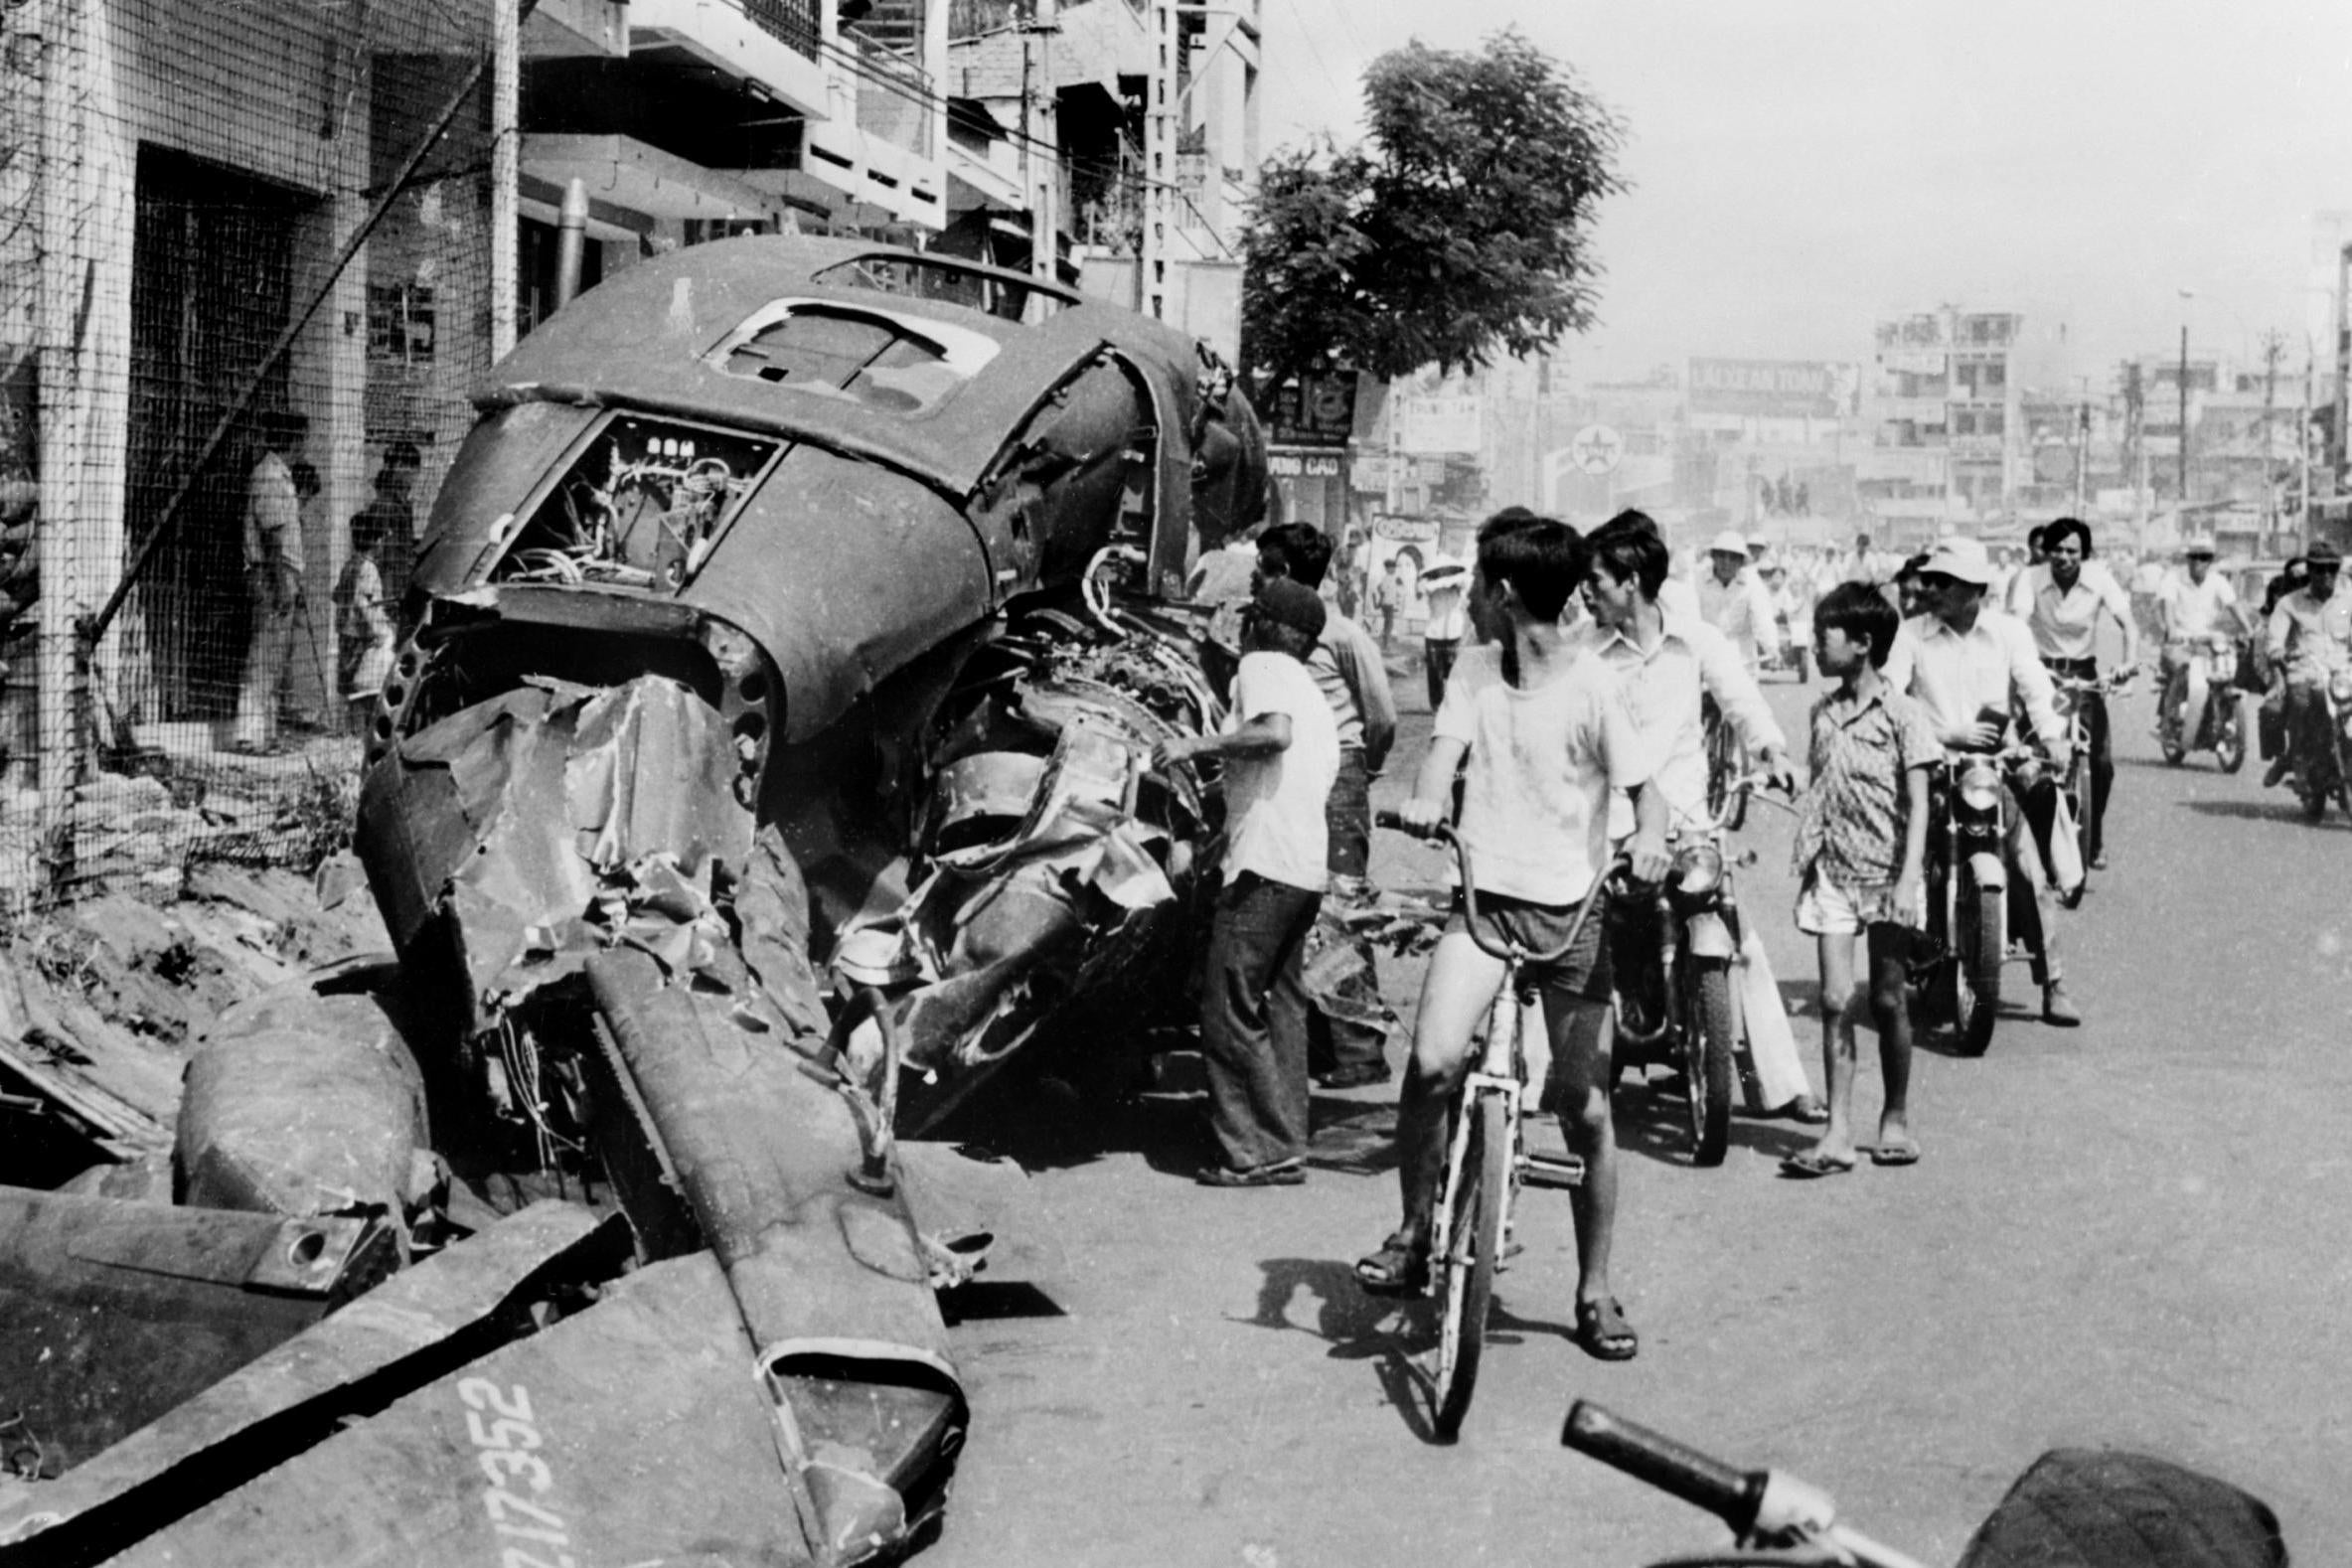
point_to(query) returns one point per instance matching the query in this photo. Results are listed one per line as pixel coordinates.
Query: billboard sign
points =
(1315, 410)
(1433, 425)
(1775, 388)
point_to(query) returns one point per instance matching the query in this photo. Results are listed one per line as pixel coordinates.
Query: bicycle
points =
(2072, 692)
(1485, 1156)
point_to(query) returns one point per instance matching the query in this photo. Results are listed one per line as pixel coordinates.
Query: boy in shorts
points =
(1861, 857)
(1546, 734)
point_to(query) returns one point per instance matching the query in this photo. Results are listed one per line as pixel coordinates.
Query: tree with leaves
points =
(1461, 226)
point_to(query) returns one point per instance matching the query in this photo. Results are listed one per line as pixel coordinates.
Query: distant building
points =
(1946, 445)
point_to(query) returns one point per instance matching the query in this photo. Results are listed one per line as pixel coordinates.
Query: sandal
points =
(1280, 1173)
(1603, 1333)
(1398, 1269)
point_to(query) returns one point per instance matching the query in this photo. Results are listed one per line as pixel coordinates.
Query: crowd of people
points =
(1568, 732)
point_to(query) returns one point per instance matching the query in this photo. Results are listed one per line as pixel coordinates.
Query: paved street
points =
(2131, 1234)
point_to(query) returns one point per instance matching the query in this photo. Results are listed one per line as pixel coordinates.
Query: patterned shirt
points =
(1851, 819)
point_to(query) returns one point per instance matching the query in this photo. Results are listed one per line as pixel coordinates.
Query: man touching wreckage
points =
(766, 761)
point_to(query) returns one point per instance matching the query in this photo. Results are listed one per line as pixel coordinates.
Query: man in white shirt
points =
(1281, 748)
(1668, 664)
(2064, 619)
(273, 561)
(1731, 599)
(1546, 735)
(2197, 610)
(1969, 664)
(1347, 1022)
(2311, 639)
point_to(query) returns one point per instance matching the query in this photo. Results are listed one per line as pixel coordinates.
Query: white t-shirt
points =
(1449, 603)
(1274, 823)
(2197, 606)
(1535, 807)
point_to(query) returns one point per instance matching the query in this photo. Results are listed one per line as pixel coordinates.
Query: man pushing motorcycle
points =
(1967, 664)
(1666, 662)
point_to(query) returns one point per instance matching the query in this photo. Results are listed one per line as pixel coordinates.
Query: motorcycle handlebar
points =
(1731, 1495)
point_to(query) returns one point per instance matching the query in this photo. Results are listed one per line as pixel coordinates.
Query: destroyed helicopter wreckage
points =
(767, 762)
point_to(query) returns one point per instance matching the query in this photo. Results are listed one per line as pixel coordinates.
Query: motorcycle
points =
(2209, 719)
(2321, 748)
(1969, 894)
(1674, 1005)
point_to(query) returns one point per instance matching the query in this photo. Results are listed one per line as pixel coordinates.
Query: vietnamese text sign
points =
(1773, 388)
(1302, 465)
(1438, 425)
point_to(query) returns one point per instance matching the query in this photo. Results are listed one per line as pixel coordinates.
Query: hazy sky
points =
(1802, 167)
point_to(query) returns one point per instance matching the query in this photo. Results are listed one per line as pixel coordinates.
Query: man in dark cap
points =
(1281, 749)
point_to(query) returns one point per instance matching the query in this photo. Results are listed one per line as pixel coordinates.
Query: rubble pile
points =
(100, 1000)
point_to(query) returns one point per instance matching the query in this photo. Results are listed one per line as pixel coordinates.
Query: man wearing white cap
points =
(2195, 607)
(1733, 601)
(1445, 585)
(1969, 664)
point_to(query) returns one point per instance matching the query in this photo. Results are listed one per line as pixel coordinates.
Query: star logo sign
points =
(1596, 449)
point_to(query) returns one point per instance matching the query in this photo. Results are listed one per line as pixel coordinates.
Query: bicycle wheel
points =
(1475, 1195)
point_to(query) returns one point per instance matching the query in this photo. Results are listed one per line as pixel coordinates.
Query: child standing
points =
(1861, 854)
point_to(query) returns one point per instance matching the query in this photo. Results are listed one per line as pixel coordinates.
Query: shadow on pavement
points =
(1652, 1122)
(1358, 1326)
(2284, 809)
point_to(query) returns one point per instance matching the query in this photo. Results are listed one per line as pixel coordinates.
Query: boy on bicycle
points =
(1546, 734)
(1861, 863)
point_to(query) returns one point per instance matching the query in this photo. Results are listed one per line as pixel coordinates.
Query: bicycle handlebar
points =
(1441, 833)
(1731, 1495)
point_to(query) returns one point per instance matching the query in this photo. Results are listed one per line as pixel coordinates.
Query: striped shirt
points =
(1852, 816)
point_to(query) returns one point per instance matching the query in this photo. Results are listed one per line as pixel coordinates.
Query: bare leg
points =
(1888, 968)
(1836, 1143)
(1578, 1091)
(1459, 986)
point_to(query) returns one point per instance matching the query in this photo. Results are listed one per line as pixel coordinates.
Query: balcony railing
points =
(794, 23)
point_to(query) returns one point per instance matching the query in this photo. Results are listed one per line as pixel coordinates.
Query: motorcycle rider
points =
(1967, 664)
(1733, 601)
(2310, 638)
(1665, 660)
(2067, 597)
(2189, 609)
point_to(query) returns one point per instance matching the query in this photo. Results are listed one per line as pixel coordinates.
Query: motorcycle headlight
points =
(1980, 786)
(2339, 685)
(1698, 868)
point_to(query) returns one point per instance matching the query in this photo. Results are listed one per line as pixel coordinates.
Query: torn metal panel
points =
(508, 823)
(634, 1432)
(116, 1312)
(415, 1325)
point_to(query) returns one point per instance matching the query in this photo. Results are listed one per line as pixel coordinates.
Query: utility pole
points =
(2181, 451)
(2344, 427)
(1041, 173)
(1160, 172)
(2274, 346)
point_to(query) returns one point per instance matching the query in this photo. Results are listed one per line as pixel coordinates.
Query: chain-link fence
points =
(245, 291)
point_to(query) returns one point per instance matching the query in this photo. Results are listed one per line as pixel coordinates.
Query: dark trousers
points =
(1338, 1033)
(1437, 659)
(1253, 1020)
(2103, 753)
